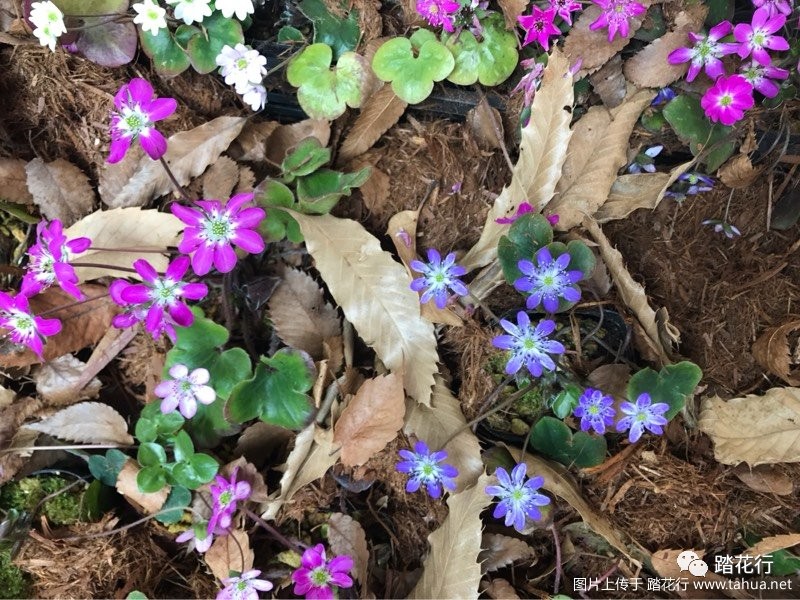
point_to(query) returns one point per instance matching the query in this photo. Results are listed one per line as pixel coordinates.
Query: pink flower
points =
(23, 327)
(564, 8)
(615, 16)
(706, 52)
(225, 494)
(137, 110)
(531, 81)
(755, 37)
(199, 537)
(48, 262)
(522, 209)
(774, 7)
(439, 13)
(212, 229)
(316, 574)
(539, 26)
(159, 297)
(244, 587)
(761, 77)
(726, 101)
(185, 390)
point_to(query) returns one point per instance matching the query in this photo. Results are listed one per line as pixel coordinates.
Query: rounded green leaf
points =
(151, 454)
(412, 72)
(184, 474)
(553, 438)
(184, 448)
(146, 430)
(167, 424)
(178, 499)
(672, 385)
(168, 57)
(490, 60)
(205, 467)
(526, 235)
(151, 479)
(219, 32)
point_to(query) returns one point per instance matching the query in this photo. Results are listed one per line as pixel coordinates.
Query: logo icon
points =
(688, 560)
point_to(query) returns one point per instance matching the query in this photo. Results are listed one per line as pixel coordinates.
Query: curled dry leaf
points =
(486, 125)
(511, 10)
(773, 543)
(499, 551)
(373, 292)
(137, 178)
(11, 418)
(59, 381)
(286, 137)
(59, 189)
(376, 188)
(755, 429)
(346, 536)
(13, 180)
(609, 83)
(371, 419)
(738, 172)
(499, 589)
(379, 113)
(772, 352)
(611, 378)
(87, 422)
(542, 152)
(126, 485)
(228, 553)
(451, 569)
(251, 143)
(247, 180)
(765, 478)
(220, 179)
(110, 345)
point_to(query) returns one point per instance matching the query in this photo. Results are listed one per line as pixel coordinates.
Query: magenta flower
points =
(522, 209)
(185, 390)
(726, 101)
(615, 16)
(564, 8)
(161, 296)
(199, 537)
(134, 313)
(761, 77)
(316, 576)
(225, 494)
(539, 26)
(439, 13)
(48, 262)
(214, 228)
(244, 587)
(23, 327)
(137, 110)
(529, 82)
(774, 7)
(757, 37)
(706, 52)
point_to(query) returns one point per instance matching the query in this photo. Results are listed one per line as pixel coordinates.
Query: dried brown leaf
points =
(87, 422)
(772, 352)
(609, 83)
(773, 543)
(137, 178)
(612, 379)
(247, 180)
(765, 478)
(754, 429)
(451, 569)
(371, 419)
(13, 178)
(499, 589)
(112, 343)
(511, 10)
(376, 189)
(665, 563)
(542, 152)
(251, 143)
(373, 291)
(127, 486)
(228, 553)
(59, 189)
(378, 114)
(11, 417)
(58, 381)
(486, 125)
(261, 441)
(346, 536)
(301, 316)
(498, 551)
(286, 137)
(220, 179)
(739, 172)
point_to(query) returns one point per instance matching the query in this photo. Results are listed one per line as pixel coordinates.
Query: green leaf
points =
(553, 438)
(179, 498)
(219, 32)
(167, 424)
(672, 385)
(205, 467)
(183, 474)
(318, 193)
(412, 72)
(106, 468)
(581, 258)
(146, 430)
(527, 234)
(277, 392)
(151, 479)
(151, 454)
(490, 61)
(341, 34)
(184, 448)
(288, 34)
(566, 401)
(325, 93)
(136, 595)
(184, 33)
(307, 157)
(269, 194)
(718, 11)
(197, 345)
(168, 57)
(653, 120)
(690, 124)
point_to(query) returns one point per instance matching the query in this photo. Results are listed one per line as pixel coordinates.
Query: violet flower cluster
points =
(596, 411)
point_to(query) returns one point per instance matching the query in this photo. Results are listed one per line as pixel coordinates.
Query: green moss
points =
(25, 494)
(14, 582)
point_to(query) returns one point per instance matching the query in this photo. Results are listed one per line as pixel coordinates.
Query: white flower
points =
(242, 8)
(46, 37)
(241, 66)
(191, 11)
(185, 390)
(255, 95)
(150, 16)
(48, 23)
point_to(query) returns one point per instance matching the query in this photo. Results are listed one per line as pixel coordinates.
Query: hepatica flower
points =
(240, 8)
(23, 327)
(213, 229)
(48, 23)
(758, 36)
(616, 16)
(529, 83)
(48, 260)
(642, 415)
(150, 16)
(224, 495)
(198, 535)
(565, 8)
(706, 52)
(519, 496)
(726, 101)
(137, 111)
(664, 95)
(761, 77)
(438, 277)
(244, 587)
(191, 11)
(596, 410)
(539, 26)
(644, 161)
(722, 226)
(528, 345)
(548, 281)
(423, 468)
(317, 576)
(185, 390)
(774, 7)
(439, 13)
(241, 66)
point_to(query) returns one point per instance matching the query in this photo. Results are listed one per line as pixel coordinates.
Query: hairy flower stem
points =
(71, 304)
(129, 250)
(102, 266)
(277, 535)
(178, 187)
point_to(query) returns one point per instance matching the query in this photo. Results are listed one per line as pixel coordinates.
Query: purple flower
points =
(244, 587)
(706, 52)
(539, 26)
(439, 13)
(642, 415)
(615, 16)
(774, 7)
(316, 576)
(644, 161)
(565, 8)
(225, 494)
(721, 226)
(48, 262)
(438, 277)
(423, 468)
(137, 110)
(134, 313)
(528, 345)
(664, 95)
(160, 296)
(754, 39)
(548, 281)
(596, 410)
(761, 77)
(23, 327)
(519, 497)
(214, 228)
(529, 83)
(185, 390)
(697, 182)
(523, 209)
(726, 101)
(199, 536)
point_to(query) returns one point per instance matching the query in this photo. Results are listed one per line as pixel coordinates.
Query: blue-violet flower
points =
(423, 467)
(548, 281)
(519, 497)
(595, 410)
(642, 415)
(437, 277)
(528, 345)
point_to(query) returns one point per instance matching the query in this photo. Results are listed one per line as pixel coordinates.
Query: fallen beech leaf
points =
(437, 424)
(451, 569)
(499, 589)
(755, 429)
(220, 179)
(346, 536)
(251, 143)
(609, 83)
(13, 181)
(665, 564)
(57, 381)
(87, 422)
(542, 152)
(300, 315)
(286, 137)
(511, 10)
(373, 291)
(59, 189)
(124, 228)
(379, 113)
(228, 553)
(110, 345)
(11, 418)
(371, 419)
(247, 180)
(611, 379)
(765, 478)
(738, 172)
(486, 126)
(773, 543)
(376, 189)
(772, 352)
(137, 178)
(499, 551)
(126, 485)
(262, 441)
